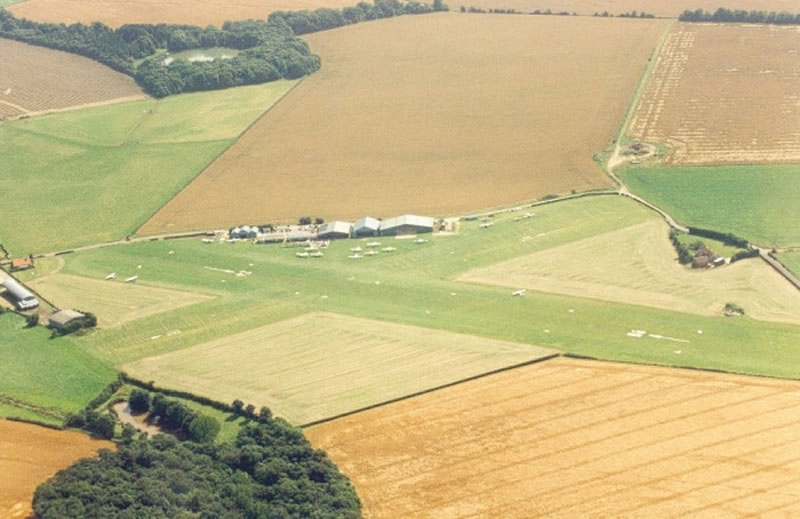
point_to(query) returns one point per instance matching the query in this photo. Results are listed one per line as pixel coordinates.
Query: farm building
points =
(21, 264)
(335, 230)
(366, 226)
(25, 299)
(244, 232)
(63, 318)
(406, 224)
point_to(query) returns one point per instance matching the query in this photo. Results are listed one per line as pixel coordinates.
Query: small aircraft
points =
(112, 275)
(520, 292)
(131, 279)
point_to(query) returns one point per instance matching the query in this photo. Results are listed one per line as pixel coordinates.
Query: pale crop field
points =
(29, 455)
(440, 115)
(637, 265)
(569, 438)
(724, 94)
(36, 79)
(119, 12)
(114, 302)
(320, 365)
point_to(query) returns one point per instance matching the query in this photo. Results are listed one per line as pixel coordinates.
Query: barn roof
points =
(407, 219)
(336, 227)
(367, 222)
(63, 317)
(21, 263)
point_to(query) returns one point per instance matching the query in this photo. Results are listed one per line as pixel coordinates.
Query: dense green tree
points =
(139, 401)
(203, 429)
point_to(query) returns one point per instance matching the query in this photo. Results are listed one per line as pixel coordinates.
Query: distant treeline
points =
(549, 12)
(740, 16)
(270, 49)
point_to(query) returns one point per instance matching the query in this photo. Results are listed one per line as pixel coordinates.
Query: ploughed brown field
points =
(572, 438)
(724, 94)
(35, 79)
(119, 12)
(438, 114)
(667, 8)
(29, 455)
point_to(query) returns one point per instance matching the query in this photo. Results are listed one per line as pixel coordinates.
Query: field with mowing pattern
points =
(438, 114)
(415, 285)
(759, 203)
(52, 374)
(724, 94)
(120, 12)
(113, 302)
(320, 365)
(636, 265)
(35, 79)
(29, 454)
(117, 164)
(568, 438)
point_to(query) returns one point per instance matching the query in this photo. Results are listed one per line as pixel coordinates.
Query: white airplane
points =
(355, 256)
(486, 225)
(131, 279)
(112, 275)
(520, 292)
(302, 254)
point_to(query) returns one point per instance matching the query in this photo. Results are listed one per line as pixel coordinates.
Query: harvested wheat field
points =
(29, 455)
(724, 94)
(637, 265)
(320, 365)
(119, 12)
(114, 302)
(437, 114)
(36, 79)
(570, 438)
(671, 8)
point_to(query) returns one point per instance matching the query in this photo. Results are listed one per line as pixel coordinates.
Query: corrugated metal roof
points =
(17, 290)
(62, 317)
(367, 223)
(336, 227)
(407, 219)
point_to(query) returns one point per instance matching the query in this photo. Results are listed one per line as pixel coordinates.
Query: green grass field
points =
(97, 174)
(791, 260)
(759, 203)
(44, 372)
(415, 286)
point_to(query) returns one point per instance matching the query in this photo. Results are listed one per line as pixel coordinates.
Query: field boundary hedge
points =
(431, 390)
(723, 15)
(35, 422)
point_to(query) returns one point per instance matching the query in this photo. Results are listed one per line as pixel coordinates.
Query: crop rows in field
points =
(30, 454)
(722, 94)
(34, 79)
(320, 365)
(439, 115)
(568, 438)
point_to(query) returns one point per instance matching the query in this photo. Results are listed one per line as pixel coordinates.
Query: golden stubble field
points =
(571, 438)
(724, 94)
(35, 79)
(637, 265)
(439, 114)
(119, 12)
(29, 455)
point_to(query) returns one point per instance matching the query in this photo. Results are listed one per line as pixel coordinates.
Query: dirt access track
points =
(574, 438)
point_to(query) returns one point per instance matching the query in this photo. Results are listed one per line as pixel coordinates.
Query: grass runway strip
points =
(571, 438)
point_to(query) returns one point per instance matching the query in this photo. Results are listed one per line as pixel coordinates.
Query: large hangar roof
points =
(17, 290)
(407, 219)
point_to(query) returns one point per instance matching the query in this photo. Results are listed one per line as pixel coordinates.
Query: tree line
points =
(269, 49)
(724, 15)
(269, 471)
